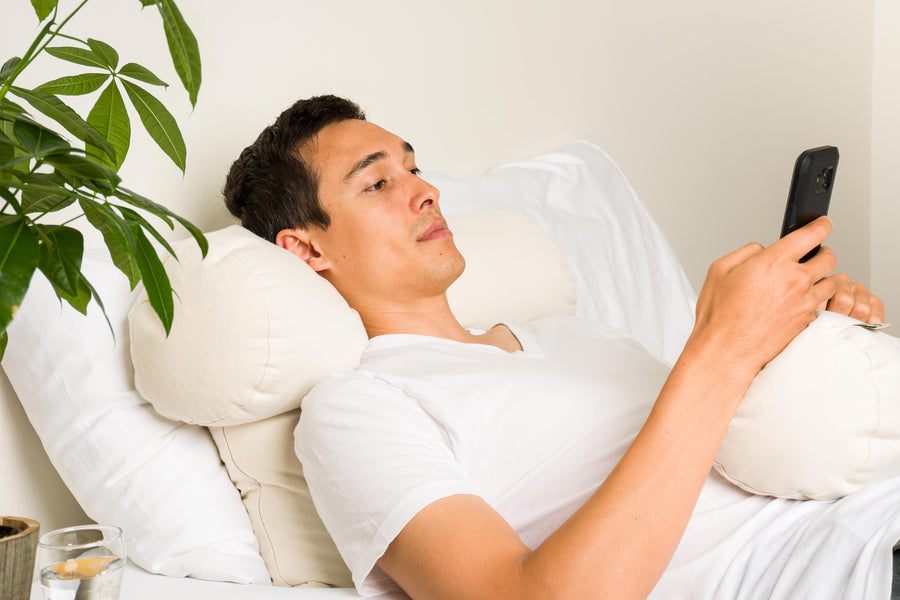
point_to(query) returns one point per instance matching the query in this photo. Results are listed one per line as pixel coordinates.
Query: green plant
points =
(42, 173)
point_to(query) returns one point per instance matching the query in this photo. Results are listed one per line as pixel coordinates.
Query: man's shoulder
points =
(342, 384)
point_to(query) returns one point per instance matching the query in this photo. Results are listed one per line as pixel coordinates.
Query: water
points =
(95, 578)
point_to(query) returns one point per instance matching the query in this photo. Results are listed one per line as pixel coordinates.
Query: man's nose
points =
(425, 195)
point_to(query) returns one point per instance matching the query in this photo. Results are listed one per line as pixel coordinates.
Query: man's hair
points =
(271, 187)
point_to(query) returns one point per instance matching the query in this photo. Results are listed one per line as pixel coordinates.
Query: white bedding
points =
(138, 584)
(746, 547)
(834, 550)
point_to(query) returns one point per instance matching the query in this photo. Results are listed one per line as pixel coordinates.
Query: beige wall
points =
(705, 104)
(886, 156)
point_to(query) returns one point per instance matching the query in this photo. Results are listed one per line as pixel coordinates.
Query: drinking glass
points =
(81, 563)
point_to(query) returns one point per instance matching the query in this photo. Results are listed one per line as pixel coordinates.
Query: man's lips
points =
(437, 229)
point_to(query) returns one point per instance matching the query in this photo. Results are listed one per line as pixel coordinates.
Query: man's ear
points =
(299, 242)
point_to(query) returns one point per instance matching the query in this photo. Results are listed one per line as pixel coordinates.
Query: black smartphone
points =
(811, 186)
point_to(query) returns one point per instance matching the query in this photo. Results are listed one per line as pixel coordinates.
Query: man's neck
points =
(431, 317)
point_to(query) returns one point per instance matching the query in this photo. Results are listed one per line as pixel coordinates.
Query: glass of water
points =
(81, 563)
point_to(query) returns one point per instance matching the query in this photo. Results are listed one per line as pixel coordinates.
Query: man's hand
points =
(855, 300)
(755, 300)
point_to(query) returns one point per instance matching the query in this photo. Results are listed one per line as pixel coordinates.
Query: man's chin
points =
(451, 270)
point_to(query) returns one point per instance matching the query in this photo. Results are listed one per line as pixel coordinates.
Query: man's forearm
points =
(619, 543)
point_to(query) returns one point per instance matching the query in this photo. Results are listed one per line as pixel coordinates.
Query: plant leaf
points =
(159, 123)
(99, 302)
(19, 164)
(46, 195)
(79, 56)
(37, 139)
(117, 235)
(19, 254)
(44, 199)
(10, 199)
(74, 85)
(8, 109)
(8, 67)
(81, 298)
(109, 116)
(156, 281)
(146, 204)
(146, 3)
(135, 199)
(86, 167)
(105, 51)
(17, 167)
(195, 233)
(182, 47)
(136, 71)
(4, 339)
(7, 151)
(54, 108)
(43, 8)
(60, 259)
(136, 217)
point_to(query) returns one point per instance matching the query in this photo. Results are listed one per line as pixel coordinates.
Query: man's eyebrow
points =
(374, 157)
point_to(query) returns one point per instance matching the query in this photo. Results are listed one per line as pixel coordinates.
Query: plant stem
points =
(34, 51)
(70, 37)
(60, 27)
(75, 218)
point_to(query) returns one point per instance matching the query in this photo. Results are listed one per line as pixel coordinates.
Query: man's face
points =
(387, 242)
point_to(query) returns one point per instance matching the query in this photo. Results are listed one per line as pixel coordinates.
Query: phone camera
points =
(824, 179)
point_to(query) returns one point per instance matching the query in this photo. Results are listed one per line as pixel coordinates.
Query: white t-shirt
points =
(534, 433)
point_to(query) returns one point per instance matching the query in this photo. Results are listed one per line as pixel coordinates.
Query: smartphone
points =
(811, 186)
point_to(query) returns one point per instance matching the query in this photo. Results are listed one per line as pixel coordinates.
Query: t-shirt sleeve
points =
(373, 458)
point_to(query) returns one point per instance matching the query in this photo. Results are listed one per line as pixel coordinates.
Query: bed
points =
(195, 493)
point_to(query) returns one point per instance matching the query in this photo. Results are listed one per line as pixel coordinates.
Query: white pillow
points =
(822, 419)
(626, 274)
(159, 480)
(255, 328)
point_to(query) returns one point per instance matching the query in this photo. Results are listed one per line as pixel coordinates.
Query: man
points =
(426, 509)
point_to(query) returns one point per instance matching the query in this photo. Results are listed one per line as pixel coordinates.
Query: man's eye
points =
(376, 186)
(415, 170)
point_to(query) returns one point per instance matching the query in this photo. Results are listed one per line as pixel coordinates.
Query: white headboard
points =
(703, 104)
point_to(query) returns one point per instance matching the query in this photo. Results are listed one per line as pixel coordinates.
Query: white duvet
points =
(740, 546)
(780, 549)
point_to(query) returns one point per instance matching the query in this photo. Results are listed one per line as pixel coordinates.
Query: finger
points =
(844, 301)
(823, 263)
(862, 303)
(861, 311)
(823, 291)
(841, 280)
(868, 307)
(878, 313)
(799, 242)
(742, 254)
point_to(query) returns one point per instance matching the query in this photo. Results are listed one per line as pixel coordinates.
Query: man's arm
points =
(754, 301)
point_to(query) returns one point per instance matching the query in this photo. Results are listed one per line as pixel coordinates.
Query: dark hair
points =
(270, 187)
